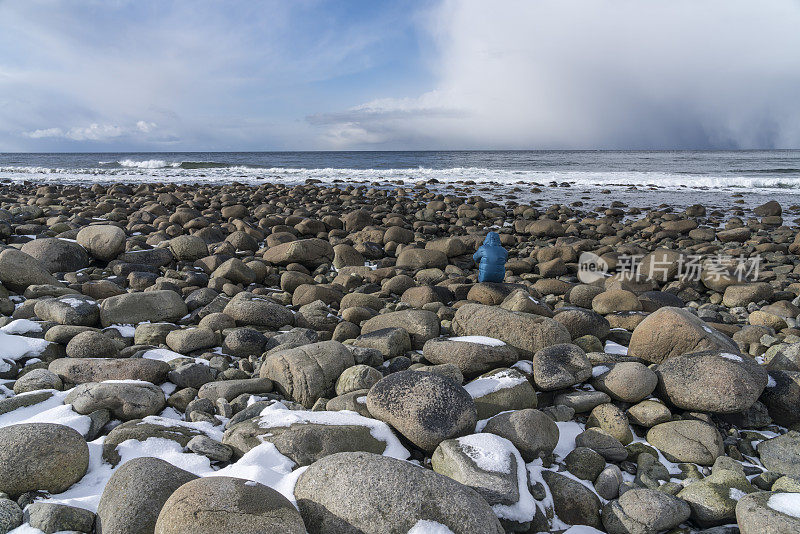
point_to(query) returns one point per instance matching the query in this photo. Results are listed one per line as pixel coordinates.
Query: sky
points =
(251, 75)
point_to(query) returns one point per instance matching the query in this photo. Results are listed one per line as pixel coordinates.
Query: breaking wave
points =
(155, 170)
(162, 164)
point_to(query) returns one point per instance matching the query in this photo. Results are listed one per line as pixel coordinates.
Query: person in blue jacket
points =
(492, 257)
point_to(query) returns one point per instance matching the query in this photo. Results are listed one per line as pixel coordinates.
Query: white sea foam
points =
(154, 170)
(147, 164)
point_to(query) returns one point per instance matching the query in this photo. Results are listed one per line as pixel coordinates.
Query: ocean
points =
(645, 178)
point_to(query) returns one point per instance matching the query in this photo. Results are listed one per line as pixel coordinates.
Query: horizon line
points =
(412, 150)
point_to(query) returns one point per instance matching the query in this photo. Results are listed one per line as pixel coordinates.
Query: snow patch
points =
(488, 451)
(732, 357)
(25, 529)
(485, 385)
(615, 348)
(480, 340)
(125, 330)
(51, 410)
(21, 326)
(76, 302)
(599, 370)
(166, 355)
(771, 382)
(736, 494)
(265, 465)
(582, 529)
(526, 366)
(493, 453)
(423, 526)
(567, 432)
(18, 347)
(214, 432)
(785, 503)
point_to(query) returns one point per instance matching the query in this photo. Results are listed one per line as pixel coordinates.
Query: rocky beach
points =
(320, 357)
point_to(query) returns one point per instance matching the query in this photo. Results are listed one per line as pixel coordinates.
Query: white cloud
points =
(93, 132)
(47, 132)
(145, 127)
(596, 74)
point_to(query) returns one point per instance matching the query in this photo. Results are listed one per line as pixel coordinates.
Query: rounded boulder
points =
(424, 407)
(41, 456)
(223, 504)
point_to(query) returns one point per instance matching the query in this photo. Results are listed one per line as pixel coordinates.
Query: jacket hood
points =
(492, 239)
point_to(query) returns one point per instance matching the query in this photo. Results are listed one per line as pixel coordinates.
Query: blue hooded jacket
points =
(492, 257)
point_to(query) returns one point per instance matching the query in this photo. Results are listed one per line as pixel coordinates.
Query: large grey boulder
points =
(491, 466)
(69, 310)
(560, 366)
(82, 370)
(672, 331)
(421, 325)
(501, 390)
(783, 357)
(625, 381)
(134, 308)
(580, 322)
(10, 515)
(230, 389)
(602, 442)
(312, 252)
(41, 456)
(744, 294)
(687, 441)
(425, 408)
(54, 517)
(711, 381)
(781, 454)
(126, 400)
(644, 511)
(359, 492)
(418, 258)
(250, 309)
(192, 375)
(307, 373)
(532, 432)
(472, 356)
(304, 442)
(782, 397)
(37, 379)
(713, 499)
(523, 331)
(57, 255)
(103, 241)
(155, 257)
(223, 504)
(573, 503)
(767, 512)
(390, 342)
(188, 248)
(236, 271)
(91, 344)
(139, 430)
(188, 340)
(19, 270)
(135, 494)
(359, 376)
